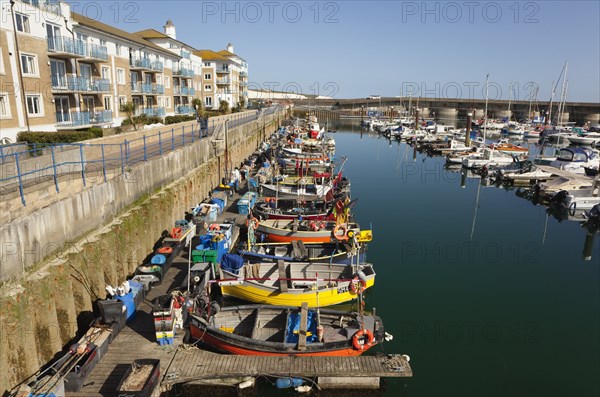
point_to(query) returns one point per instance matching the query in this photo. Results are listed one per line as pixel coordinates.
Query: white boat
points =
(575, 158)
(487, 157)
(578, 199)
(302, 191)
(589, 139)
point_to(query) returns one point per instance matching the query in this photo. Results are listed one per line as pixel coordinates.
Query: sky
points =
(353, 49)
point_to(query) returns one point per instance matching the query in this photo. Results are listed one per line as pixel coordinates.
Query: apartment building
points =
(60, 70)
(225, 77)
(186, 75)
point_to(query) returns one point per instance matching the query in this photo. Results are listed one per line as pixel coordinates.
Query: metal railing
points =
(66, 45)
(53, 162)
(183, 72)
(97, 51)
(79, 119)
(79, 83)
(146, 63)
(184, 109)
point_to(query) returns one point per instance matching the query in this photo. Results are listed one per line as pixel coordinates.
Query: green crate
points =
(204, 256)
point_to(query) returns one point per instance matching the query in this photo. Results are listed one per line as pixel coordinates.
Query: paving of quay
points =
(180, 363)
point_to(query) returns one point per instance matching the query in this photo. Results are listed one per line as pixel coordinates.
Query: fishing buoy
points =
(406, 357)
(245, 384)
(285, 383)
(363, 339)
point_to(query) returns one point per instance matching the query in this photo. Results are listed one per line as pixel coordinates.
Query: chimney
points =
(230, 48)
(170, 29)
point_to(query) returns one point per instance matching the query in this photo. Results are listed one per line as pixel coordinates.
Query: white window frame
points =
(35, 65)
(104, 102)
(122, 100)
(6, 102)
(207, 76)
(24, 22)
(102, 69)
(208, 88)
(120, 76)
(167, 81)
(40, 104)
(207, 100)
(2, 71)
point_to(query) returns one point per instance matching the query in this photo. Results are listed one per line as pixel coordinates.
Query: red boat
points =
(263, 330)
(308, 231)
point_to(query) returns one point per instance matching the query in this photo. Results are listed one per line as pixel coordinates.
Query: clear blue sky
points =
(358, 48)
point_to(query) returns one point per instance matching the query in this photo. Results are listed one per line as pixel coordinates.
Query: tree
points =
(242, 104)
(198, 102)
(129, 109)
(223, 107)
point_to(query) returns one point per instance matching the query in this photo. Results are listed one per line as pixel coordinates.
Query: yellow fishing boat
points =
(291, 283)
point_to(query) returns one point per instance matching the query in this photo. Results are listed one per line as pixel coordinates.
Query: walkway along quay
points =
(62, 248)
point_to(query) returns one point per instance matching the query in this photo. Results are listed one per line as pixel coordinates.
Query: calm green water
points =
(493, 300)
(511, 311)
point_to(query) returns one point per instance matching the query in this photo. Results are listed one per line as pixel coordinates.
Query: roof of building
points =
(111, 30)
(228, 54)
(210, 55)
(169, 23)
(155, 34)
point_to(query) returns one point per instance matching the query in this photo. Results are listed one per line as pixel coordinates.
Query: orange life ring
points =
(214, 226)
(359, 342)
(176, 232)
(343, 236)
(357, 285)
(165, 250)
(254, 221)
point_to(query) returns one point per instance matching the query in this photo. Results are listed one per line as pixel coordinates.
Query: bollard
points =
(54, 169)
(82, 163)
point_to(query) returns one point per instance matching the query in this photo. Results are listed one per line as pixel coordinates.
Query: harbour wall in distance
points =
(45, 303)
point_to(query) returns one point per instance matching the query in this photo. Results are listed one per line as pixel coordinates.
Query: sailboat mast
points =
(485, 120)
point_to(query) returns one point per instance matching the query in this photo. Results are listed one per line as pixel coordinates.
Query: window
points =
(119, 49)
(120, 76)
(34, 105)
(103, 42)
(1, 64)
(208, 101)
(106, 73)
(159, 79)
(107, 103)
(22, 22)
(168, 102)
(29, 64)
(122, 101)
(160, 101)
(167, 82)
(207, 76)
(207, 64)
(208, 87)
(4, 106)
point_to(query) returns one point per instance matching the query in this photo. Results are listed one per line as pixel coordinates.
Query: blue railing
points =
(185, 54)
(58, 44)
(155, 111)
(56, 160)
(78, 83)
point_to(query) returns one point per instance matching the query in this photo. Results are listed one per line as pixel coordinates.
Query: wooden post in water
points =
(468, 137)
(416, 119)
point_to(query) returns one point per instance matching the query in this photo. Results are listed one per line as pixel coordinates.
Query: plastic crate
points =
(204, 256)
(243, 207)
(111, 310)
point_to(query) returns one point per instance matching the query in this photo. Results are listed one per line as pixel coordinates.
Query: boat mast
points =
(485, 120)
(563, 95)
(510, 88)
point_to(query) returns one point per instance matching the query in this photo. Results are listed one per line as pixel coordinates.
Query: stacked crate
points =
(164, 319)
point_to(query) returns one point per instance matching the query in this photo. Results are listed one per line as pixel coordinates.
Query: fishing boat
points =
(263, 330)
(338, 252)
(303, 191)
(285, 231)
(505, 147)
(272, 208)
(292, 283)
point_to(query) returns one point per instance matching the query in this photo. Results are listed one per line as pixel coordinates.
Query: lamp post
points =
(362, 114)
(468, 135)
(391, 113)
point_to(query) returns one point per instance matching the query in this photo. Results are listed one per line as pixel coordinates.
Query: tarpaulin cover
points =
(232, 263)
(293, 327)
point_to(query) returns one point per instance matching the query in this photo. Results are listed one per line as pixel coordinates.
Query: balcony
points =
(243, 83)
(223, 81)
(223, 71)
(146, 64)
(72, 83)
(183, 90)
(52, 6)
(184, 109)
(83, 119)
(152, 88)
(183, 72)
(65, 47)
(244, 74)
(185, 54)
(96, 53)
(154, 111)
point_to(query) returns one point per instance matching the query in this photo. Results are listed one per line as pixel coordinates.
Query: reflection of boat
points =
(292, 283)
(578, 199)
(263, 330)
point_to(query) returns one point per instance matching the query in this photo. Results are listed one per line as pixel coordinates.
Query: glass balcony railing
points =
(154, 111)
(244, 74)
(78, 83)
(146, 63)
(77, 119)
(97, 51)
(183, 72)
(184, 109)
(66, 45)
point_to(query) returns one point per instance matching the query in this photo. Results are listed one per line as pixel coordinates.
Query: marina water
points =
(488, 300)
